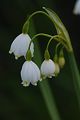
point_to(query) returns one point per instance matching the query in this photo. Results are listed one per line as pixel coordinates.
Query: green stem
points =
(57, 47)
(37, 35)
(49, 100)
(33, 14)
(58, 39)
(63, 41)
(55, 37)
(55, 59)
(52, 38)
(44, 86)
(75, 74)
(41, 34)
(38, 12)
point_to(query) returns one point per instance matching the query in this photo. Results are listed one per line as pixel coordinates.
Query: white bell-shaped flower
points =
(20, 45)
(47, 68)
(76, 9)
(30, 73)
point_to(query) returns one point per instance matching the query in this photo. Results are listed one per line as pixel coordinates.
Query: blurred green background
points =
(17, 102)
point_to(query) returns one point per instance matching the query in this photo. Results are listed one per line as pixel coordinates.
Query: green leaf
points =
(61, 30)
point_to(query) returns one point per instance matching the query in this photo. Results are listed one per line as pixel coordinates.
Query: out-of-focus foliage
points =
(17, 102)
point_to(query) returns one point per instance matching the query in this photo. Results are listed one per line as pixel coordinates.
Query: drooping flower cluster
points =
(30, 72)
(23, 46)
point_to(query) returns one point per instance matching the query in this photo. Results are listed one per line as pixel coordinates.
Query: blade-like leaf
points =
(61, 30)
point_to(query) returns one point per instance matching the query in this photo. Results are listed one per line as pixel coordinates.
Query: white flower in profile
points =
(47, 68)
(76, 9)
(20, 45)
(30, 73)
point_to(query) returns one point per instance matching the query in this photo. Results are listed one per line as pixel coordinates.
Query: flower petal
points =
(47, 68)
(20, 45)
(30, 73)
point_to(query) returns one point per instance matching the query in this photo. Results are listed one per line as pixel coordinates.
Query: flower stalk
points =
(75, 75)
(49, 100)
(48, 66)
(45, 88)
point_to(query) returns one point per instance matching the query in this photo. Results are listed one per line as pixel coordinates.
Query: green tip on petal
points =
(25, 83)
(10, 52)
(43, 7)
(35, 84)
(40, 79)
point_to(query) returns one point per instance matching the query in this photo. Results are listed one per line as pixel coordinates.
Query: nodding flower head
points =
(47, 68)
(20, 45)
(30, 73)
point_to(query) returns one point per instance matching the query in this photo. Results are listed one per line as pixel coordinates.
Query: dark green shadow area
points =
(17, 102)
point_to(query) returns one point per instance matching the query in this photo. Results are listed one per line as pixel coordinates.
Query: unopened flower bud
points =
(57, 69)
(61, 61)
